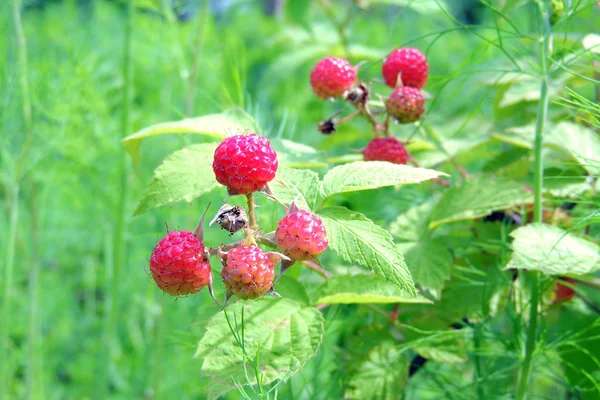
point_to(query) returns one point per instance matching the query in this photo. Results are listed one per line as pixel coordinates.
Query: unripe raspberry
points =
(301, 235)
(406, 104)
(331, 77)
(248, 272)
(410, 63)
(245, 163)
(386, 149)
(179, 265)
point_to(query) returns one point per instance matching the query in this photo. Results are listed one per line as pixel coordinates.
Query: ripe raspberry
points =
(245, 163)
(386, 149)
(563, 293)
(179, 265)
(411, 63)
(405, 104)
(331, 77)
(301, 235)
(248, 272)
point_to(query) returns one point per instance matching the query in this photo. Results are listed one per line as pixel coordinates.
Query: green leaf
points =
(477, 198)
(477, 285)
(363, 289)
(302, 184)
(365, 175)
(424, 7)
(381, 374)
(184, 175)
(358, 240)
(412, 225)
(445, 353)
(591, 42)
(433, 339)
(290, 288)
(214, 125)
(287, 334)
(552, 250)
(429, 263)
(579, 142)
(528, 90)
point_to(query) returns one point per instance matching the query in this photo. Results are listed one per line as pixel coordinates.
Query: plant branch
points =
(318, 269)
(340, 26)
(251, 212)
(525, 372)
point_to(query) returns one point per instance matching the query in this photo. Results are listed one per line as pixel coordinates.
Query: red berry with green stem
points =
(245, 163)
(331, 77)
(406, 104)
(301, 235)
(179, 265)
(410, 64)
(386, 149)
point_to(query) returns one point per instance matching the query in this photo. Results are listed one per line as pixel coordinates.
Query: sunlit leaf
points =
(358, 240)
(184, 175)
(280, 333)
(213, 125)
(351, 289)
(477, 198)
(365, 175)
(553, 251)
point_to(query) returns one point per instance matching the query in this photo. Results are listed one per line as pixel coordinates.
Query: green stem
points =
(33, 345)
(7, 290)
(199, 45)
(120, 226)
(252, 212)
(521, 391)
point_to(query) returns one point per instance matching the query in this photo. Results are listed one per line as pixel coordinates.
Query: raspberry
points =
(248, 272)
(331, 77)
(563, 293)
(411, 63)
(179, 265)
(405, 104)
(386, 149)
(301, 235)
(245, 163)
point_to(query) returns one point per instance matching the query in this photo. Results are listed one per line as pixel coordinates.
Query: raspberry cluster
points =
(244, 164)
(405, 70)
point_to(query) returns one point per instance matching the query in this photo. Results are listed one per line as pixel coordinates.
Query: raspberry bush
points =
(306, 235)
(397, 199)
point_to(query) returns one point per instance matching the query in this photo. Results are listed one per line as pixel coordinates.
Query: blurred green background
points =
(82, 316)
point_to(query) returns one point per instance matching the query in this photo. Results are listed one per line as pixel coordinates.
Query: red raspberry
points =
(406, 104)
(411, 63)
(301, 235)
(386, 149)
(245, 163)
(179, 265)
(563, 293)
(331, 77)
(248, 272)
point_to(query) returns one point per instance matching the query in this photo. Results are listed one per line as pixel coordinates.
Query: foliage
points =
(424, 292)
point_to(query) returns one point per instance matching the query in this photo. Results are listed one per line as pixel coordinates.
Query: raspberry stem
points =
(317, 268)
(251, 212)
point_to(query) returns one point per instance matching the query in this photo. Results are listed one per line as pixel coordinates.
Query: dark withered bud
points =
(231, 218)
(358, 94)
(327, 127)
